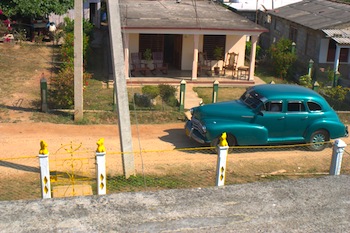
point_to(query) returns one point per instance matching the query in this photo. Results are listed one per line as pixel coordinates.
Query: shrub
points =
(151, 91)
(167, 93)
(282, 57)
(61, 94)
(142, 100)
(305, 81)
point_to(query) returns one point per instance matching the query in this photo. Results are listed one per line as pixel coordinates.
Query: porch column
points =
(252, 58)
(195, 57)
(336, 58)
(126, 55)
(98, 15)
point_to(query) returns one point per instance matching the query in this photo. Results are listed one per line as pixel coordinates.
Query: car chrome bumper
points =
(190, 132)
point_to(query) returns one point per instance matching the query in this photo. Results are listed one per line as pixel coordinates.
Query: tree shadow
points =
(19, 167)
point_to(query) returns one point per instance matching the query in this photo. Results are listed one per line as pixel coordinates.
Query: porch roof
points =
(340, 36)
(186, 17)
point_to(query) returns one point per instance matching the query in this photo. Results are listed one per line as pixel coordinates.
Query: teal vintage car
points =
(265, 115)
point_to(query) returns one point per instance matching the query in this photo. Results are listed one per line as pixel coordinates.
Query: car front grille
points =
(197, 125)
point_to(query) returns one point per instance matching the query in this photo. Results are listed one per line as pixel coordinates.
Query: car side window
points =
(273, 106)
(314, 107)
(296, 106)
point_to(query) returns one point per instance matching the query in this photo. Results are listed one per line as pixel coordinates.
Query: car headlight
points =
(204, 128)
(191, 111)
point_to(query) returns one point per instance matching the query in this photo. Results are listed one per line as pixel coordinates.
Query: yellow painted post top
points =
(223, 141)
(100, 145)
(43, 148)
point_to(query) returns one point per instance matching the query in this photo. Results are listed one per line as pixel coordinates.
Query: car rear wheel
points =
(319, 140)
(231, 140)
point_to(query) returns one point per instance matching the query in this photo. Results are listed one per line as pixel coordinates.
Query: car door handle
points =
(281, 118)
(250, 117)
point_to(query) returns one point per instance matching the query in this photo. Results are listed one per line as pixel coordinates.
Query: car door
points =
(272, 117)
(297, 120)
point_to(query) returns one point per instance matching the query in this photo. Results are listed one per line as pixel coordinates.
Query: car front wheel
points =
(319, 140)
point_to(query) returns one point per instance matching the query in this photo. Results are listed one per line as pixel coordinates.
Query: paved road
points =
(304, 205)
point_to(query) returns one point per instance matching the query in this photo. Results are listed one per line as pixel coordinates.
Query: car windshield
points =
(251, 98)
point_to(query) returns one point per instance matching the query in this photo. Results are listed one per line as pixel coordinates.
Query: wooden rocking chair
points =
(203, 64)
(231, 63)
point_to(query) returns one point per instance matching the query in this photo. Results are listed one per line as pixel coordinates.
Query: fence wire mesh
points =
(73, 171)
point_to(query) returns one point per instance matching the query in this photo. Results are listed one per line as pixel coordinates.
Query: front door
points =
(177, 51)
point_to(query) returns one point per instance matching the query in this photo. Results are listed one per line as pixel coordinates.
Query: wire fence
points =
(73, 169)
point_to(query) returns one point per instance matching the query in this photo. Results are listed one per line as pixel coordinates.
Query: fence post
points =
(337, 156)
(221, 161)
(44, 170)
(215, 91)
(182, 94)
(101, 168)
(43, 92)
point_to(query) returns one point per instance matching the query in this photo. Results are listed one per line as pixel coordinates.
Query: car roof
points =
(286, 91)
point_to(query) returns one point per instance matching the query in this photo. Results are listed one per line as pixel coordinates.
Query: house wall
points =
(310, 44)
(133, 43)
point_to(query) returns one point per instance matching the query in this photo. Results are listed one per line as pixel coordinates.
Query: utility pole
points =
(78, 60)
(117, 54)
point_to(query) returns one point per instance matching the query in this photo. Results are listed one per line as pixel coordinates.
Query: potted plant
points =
(218, 54)
(147, 55)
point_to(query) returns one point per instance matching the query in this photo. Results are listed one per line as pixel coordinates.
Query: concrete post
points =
(221, 161)
(182, 94)
(117, 54)
(335, 79)
(337, 156)
(315, 86)
(294, 45)
(101, 173)
(43, 92)
(215, 91)
(78, 60)
(311, 64)
(44, 171)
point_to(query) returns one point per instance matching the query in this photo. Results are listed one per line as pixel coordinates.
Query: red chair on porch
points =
(158, 62)
(137, 65)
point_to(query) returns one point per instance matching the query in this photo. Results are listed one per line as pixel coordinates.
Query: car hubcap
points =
(318, 140)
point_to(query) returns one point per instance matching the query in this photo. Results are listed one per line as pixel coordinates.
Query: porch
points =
(174, 77)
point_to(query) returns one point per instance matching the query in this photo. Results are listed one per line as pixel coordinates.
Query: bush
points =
(142, 100)
(151, 91)
(282, 57)
(61, 93)
(305, 81)
(167, 93)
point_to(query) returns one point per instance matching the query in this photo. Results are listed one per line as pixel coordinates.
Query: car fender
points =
(245, 134)
(335, 129)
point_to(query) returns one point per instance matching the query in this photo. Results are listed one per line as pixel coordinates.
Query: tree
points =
(35, 7)
(282, 57)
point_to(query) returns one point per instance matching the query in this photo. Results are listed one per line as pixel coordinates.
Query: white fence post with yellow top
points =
(101, 167)
(221, 162)
(44, 170)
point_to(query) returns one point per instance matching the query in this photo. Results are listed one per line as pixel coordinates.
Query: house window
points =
(293, 34)
(155, 42)
(344, 53)
(211, 42)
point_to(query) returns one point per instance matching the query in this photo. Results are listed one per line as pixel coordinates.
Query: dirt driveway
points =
(22, 139)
